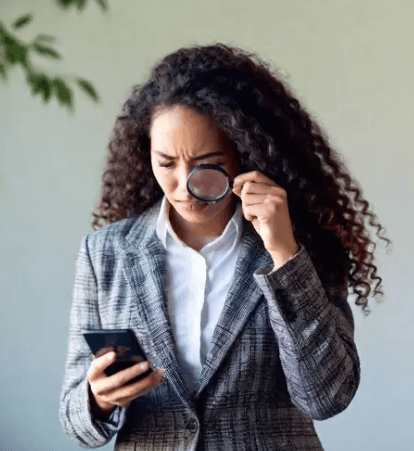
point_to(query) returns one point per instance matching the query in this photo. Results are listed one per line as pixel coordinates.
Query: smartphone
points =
(123, 342)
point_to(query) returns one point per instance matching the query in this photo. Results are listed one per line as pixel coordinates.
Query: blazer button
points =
(192, 425)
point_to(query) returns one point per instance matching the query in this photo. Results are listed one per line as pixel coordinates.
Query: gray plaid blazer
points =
(283, 351)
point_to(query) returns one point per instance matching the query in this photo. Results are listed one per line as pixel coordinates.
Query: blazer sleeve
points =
(314, 328)
(75, 408)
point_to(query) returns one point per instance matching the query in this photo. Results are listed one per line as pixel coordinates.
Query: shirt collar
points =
(234, 226)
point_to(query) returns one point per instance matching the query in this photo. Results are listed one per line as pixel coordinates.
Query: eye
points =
(170, 165)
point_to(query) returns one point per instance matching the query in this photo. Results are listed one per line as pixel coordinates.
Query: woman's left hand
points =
(264, 203)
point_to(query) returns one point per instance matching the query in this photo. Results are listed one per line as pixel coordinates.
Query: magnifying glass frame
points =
(217, 168)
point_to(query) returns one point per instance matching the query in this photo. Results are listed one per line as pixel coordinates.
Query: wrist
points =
(100, 409)
(280, 257)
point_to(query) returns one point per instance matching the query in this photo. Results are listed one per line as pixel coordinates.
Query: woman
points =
(241, 305)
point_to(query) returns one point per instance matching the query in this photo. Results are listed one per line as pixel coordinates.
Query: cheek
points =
(164, 179)
(158, 177)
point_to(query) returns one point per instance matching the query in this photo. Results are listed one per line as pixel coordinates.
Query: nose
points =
(182, 178)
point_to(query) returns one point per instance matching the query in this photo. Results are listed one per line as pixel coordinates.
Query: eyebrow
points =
(200, 157)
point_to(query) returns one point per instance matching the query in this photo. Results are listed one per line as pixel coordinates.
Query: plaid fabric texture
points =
(283, 351)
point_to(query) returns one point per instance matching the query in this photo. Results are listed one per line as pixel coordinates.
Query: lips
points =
(191, 202)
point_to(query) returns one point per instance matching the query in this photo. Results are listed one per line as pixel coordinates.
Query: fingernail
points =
(143, 366)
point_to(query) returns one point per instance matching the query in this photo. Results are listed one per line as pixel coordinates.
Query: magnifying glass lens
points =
(208, 184)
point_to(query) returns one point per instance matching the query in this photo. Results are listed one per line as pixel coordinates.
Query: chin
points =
(197, 209)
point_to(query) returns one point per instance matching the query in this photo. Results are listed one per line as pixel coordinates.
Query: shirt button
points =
(192, 425)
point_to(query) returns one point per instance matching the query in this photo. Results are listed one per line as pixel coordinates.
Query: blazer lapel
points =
(242, 298)
(144, 267)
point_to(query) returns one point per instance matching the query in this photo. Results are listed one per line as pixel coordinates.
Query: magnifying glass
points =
(209, 183)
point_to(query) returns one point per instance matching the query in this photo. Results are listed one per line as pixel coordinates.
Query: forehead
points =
(180, 118)
(180, 129)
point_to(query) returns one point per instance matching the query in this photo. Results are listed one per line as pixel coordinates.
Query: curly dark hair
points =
(271, 132)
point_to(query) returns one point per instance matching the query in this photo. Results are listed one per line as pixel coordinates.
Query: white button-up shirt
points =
(196, 286)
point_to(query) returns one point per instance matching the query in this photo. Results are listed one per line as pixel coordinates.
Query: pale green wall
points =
(350, 62)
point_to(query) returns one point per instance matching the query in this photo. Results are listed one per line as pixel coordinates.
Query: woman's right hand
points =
(110, 391)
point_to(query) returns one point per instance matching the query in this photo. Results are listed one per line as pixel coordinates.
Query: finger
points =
(140, 388)
(119, 379)
(153, 380)
(255, 176)
(257, 188)
(100, 364)
(264, 212)
(253, 188)
(255, 199)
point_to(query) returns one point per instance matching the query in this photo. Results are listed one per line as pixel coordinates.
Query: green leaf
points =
(2, 28)
(45, 37)
(22, 21)
(14, 51)
(47, 51)
(3, 73)
(40, 83)
(8, 40)
(88, 88)
(81, 5)
(65, 3)
(46, 88)
(47, 92)
(63, 92)
(103, 4)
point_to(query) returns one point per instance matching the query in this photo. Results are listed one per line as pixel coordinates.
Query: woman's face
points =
(187, 137)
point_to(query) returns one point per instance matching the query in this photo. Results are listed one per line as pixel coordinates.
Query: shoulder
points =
(110, 238)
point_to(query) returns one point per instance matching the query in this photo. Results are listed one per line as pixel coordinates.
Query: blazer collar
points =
(144, 267)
